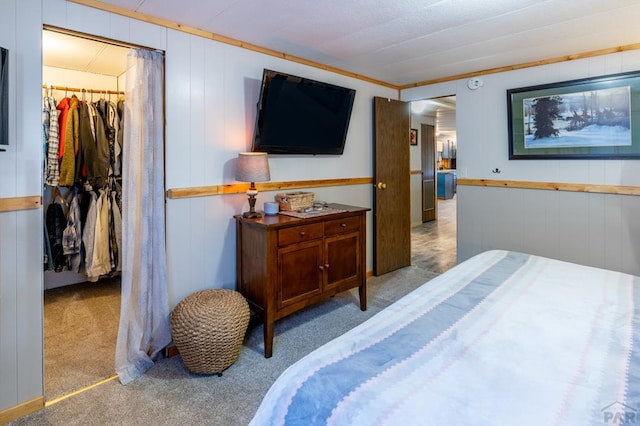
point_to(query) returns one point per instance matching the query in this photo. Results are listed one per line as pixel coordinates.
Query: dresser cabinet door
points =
(299, 272)
(342, 260)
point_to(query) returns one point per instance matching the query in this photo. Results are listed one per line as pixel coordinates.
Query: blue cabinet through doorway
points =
(446, 184)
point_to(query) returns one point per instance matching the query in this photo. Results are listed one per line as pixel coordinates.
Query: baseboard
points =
(20, 410)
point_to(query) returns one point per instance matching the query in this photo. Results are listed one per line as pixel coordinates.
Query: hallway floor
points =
(433, 244)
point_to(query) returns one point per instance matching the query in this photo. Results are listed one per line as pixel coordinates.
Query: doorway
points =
(81, 308)
(436, 115)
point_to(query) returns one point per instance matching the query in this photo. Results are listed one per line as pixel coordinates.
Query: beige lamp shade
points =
(252, 167)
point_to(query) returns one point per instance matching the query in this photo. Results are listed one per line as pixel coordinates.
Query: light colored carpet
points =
(80, 332)
(168, 394)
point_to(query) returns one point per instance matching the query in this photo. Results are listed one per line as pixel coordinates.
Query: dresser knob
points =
(323, 267)
(302, 234)
(344, 225)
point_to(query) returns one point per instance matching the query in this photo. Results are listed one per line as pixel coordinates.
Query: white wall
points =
(21, 232)
(592, 229)
(54, 76)
(212, 91)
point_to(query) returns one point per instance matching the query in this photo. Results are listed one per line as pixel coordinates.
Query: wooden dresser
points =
(285, 263)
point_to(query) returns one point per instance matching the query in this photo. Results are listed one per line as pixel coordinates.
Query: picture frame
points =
(4, 98)
(413, 136)
(590, 118)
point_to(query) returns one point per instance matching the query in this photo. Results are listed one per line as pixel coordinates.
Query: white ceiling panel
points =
(407, 41)
(81, 54)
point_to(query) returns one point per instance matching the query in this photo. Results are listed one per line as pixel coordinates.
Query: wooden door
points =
(428, 150)
(392, 202)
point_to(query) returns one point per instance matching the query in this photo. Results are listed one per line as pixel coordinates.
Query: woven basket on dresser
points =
(208, 328)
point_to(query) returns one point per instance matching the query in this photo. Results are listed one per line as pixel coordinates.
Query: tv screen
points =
(298, 115)
(4, 97)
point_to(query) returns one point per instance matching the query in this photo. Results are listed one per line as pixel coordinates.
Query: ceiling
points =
(402, 42)
(81, 54)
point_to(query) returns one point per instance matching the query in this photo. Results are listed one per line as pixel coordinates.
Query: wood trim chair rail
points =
(20, 203)
(553, 186)
(205, 191)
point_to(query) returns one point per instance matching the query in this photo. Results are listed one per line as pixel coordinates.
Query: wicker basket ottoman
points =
(208, 328)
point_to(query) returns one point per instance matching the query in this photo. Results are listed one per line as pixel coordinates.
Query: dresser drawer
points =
(339, 226)
(300, 233)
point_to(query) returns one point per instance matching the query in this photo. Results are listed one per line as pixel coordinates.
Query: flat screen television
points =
(4, 98)
(299, 115)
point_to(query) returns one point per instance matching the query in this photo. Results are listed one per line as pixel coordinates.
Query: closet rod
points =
(80, 90)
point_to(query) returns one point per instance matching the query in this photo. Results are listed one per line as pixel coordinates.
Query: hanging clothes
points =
(107, 111)
(56, 221)
(52, 140)
(115, 230)
(116, 151)
(97, 156)
(117, 166)
(47, 260)
(88, 234)
(63, 111)
(72, 235)
(83, 145)
(71, 144)
(87, 142)
(101, 258)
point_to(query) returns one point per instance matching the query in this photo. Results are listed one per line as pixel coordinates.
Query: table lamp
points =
(252, 167)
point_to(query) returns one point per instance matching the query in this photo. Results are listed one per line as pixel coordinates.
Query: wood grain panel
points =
(205, 191)
(392, 217)
(20, 203)
(553, 186)
(20, 410)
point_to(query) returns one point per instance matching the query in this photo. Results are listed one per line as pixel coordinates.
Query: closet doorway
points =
(81, 300)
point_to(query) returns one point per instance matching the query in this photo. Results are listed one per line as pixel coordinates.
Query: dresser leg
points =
(362, 291)
(268, 338)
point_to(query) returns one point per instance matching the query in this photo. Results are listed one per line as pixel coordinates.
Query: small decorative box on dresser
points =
(286, 263)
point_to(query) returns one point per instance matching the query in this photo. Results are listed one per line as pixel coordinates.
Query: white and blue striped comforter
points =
(503, 338)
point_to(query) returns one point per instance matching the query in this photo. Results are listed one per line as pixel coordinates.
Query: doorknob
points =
(382, 185)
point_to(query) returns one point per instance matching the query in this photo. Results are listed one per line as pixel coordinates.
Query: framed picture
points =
(4, 98)
(413, 136)
(578, 119)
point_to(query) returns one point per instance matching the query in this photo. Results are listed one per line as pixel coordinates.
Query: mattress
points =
(502, 338)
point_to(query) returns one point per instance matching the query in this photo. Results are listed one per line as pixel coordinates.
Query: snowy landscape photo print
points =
(576, 119)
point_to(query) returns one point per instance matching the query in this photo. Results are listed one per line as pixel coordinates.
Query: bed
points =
(502, 338)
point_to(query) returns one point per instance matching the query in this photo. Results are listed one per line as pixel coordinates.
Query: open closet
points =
(83, 111)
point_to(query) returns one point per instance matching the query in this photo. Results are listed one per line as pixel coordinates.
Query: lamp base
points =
(251, 214)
